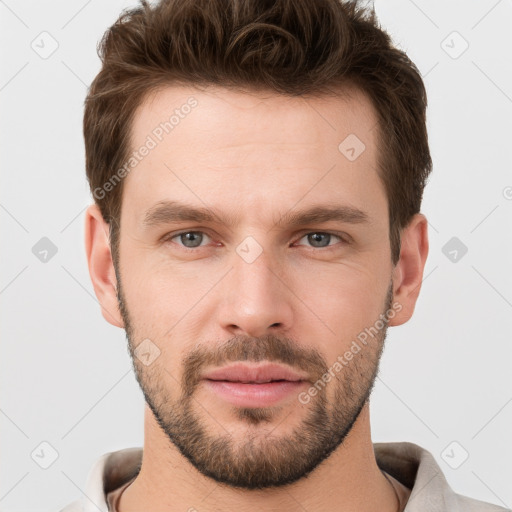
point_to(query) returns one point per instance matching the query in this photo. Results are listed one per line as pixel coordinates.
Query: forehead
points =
(235, 114)
(249, 150)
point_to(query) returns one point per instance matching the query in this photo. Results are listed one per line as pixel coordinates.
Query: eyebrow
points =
(166, 212)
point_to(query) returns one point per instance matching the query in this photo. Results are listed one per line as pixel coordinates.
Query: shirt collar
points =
(409, 463)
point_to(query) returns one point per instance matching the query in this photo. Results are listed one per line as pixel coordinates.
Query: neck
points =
(349, 479)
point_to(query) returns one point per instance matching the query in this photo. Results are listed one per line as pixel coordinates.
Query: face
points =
(289, 263)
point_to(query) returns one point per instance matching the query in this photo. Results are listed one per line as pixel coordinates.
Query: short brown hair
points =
(292, 47)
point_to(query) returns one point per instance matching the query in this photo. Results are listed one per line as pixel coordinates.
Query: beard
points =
(256, 459)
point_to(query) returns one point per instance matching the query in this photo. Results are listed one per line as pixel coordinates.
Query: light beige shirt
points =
(419, 481)
(402, 494)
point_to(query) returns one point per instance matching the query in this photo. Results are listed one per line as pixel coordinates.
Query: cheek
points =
(343, 299)
(164, 298)
(150, 301)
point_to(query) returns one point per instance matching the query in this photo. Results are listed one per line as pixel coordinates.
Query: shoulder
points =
(467, 504)
(109, 472)
(417, 469)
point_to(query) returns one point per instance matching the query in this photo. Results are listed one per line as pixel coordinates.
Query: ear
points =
(408, 272)
(101, 267)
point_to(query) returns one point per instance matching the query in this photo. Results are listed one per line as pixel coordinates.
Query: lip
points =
(255, 395)
(254, 374)
(254, 385)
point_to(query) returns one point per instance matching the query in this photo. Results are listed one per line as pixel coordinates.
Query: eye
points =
(189, 239)
(193, 239)
(321, 239)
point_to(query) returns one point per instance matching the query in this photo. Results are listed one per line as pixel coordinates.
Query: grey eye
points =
(316, 238)
(320, 239)
(191, 239)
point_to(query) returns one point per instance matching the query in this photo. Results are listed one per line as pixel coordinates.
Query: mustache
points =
(245, 348)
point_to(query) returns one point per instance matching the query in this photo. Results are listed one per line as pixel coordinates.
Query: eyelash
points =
(341, 236)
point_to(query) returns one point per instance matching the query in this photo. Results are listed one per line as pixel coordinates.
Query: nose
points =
(256, 297)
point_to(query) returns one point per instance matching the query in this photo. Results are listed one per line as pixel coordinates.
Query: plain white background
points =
(66, 377)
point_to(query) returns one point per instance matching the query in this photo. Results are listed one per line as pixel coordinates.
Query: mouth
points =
(254, 386)
(255, 374)
(253, 381)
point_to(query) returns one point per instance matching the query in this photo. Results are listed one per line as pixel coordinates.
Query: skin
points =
(256, 156)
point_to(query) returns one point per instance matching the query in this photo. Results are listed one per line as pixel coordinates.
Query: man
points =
(258, 170)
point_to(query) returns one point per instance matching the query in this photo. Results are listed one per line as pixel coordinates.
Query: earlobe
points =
(408, 272)
(101, 267)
